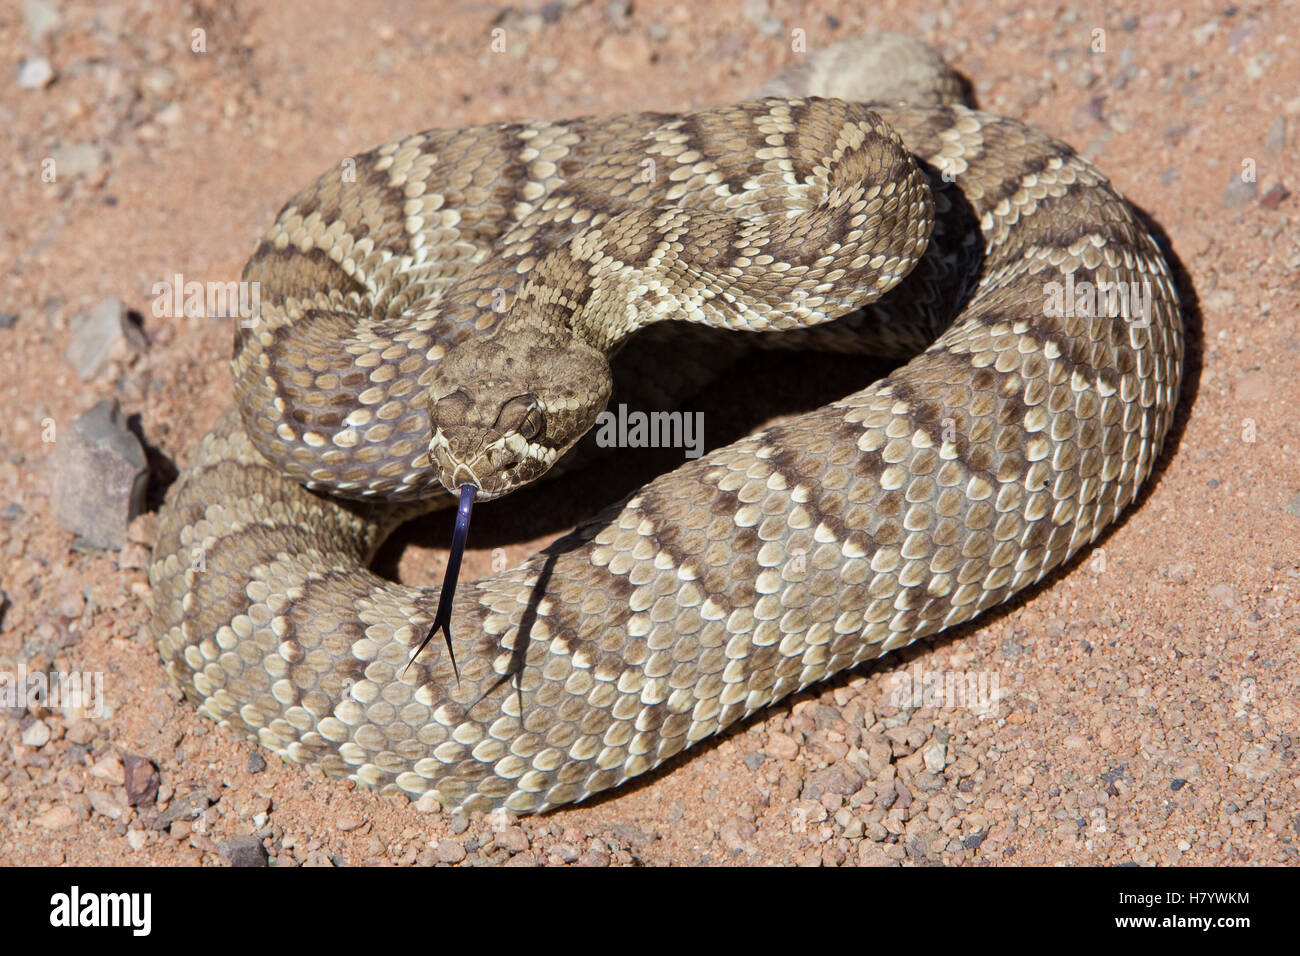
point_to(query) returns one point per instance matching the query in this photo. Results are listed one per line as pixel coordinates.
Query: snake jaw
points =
(494, 464)
(455, 471)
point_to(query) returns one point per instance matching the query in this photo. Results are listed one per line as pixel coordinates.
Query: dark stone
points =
(243, 851)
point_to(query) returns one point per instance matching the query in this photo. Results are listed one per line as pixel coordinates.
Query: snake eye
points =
(533, 424)
(523, 415)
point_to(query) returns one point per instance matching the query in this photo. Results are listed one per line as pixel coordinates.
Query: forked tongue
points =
(442, 617)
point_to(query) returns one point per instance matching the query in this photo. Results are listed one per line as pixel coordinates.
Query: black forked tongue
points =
(442, 618)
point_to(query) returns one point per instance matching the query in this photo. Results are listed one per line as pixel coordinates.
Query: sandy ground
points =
(1146, 703)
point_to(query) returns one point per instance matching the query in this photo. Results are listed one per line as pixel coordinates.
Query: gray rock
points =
(836, 779)
(1276, 141)
(100, 475)
(41, 17)
(1239, 193)
(7, 319)
(158, 81)
(189, 807)
(84, 160)
(243, 851)
(35, 74)
(617, 13)
(102, 335)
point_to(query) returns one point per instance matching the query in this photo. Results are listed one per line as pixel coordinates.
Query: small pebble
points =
(41, 17)
(781, 746)
(37, 734)
(566, 852)
(1276, 135)
(617, 12)
(82, 732)
(934, 755)
(101, 336)
(624, 51)
(1224, 594)
(55, 818)
(86, 161)
(449, 851)
(106, 804)
(243, 851)
(513, 839)
(109, 769)
(35, 74)
(140, 779)
(1238, 193)
(72, 606)
(1274, 197)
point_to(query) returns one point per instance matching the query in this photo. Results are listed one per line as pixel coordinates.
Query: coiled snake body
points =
(830, 539)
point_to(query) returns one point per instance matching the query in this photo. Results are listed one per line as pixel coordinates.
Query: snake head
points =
(504, 408)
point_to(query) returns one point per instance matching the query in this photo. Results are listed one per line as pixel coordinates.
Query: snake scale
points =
(1010, 441)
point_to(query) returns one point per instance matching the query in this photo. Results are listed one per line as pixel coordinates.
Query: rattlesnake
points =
(756, 570)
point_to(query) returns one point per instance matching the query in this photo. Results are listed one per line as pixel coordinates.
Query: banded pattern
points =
(842, 534)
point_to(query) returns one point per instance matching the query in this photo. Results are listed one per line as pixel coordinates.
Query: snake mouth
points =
(461, 476)
(494, 464)
(481, 466)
